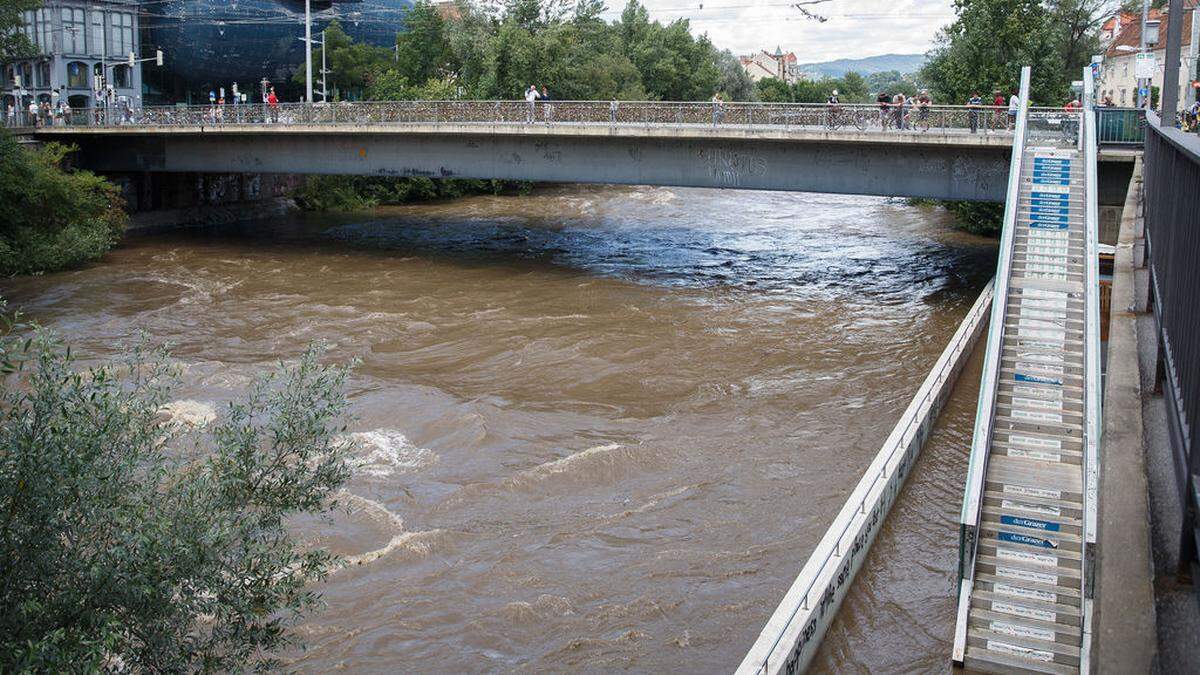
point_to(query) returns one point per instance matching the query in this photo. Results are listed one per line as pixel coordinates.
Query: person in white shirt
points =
(1014, 106)
(531, 97)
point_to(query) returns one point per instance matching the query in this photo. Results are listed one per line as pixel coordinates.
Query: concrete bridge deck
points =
(943, 163)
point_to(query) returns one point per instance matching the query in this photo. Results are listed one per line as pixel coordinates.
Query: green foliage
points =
(851, 88)
(54, 219)
(131, 543)
(567, 48)
(356, 193)
(893, 82)
(987, 44)
(13, 43)
(977, 217)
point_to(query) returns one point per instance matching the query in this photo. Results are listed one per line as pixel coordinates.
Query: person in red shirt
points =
(998, 105)
(273, 105)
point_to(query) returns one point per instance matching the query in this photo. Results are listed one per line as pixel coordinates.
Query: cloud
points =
(856, 28)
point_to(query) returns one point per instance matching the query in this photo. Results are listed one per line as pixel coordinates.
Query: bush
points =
(131, 543)
(356, 193)
(985, 218)
(53, 219)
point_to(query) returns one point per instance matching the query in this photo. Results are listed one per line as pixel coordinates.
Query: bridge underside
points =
(935, 171)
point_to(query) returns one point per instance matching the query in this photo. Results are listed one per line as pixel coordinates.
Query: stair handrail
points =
(1092, 377)
(968, 536)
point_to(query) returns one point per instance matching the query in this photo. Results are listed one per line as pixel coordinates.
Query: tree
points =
(734, 83)
(13, 43)
(986, 46)
(422, 50)
(351, 64)
(130, 543)
(54, 219)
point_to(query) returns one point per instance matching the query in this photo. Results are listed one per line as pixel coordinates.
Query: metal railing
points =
(982, 120)
(833, 546)
(1120, 126)
(1172, 218)
(981, 440)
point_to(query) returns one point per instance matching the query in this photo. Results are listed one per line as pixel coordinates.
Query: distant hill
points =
(905, 63)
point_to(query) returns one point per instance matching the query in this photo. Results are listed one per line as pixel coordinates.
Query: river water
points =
(598, 428)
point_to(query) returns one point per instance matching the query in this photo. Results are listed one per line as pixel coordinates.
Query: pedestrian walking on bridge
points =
(974, 104)
(547, 109)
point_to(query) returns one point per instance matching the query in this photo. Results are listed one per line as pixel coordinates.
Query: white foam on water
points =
(420, 543)
(371, 510)
(189, 413)
(564, 464)
(381, 453)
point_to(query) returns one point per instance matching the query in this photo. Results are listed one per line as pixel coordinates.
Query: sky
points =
(855, 28)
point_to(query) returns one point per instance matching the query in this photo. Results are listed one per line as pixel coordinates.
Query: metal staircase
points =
(1028, 524)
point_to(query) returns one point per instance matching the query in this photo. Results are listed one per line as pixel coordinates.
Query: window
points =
(10, 76)
(27, 75)
(74, 31)
(1122, 97)
(77, 101)
(120, 35)
(29, 25)
(97, 36)
(77, 75)
(43, 74)
(45, 31)
(1126, 73)
(120, 76)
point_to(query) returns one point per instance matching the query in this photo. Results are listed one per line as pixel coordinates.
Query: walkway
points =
(1029, 516)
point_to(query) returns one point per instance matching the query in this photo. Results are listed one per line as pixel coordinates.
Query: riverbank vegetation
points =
(54, 218)
(356, 193)
(135, 544)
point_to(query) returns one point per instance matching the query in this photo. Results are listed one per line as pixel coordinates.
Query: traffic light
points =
(158, 57)
(132, 59)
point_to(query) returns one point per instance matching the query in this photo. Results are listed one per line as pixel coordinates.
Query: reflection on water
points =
(599, 428)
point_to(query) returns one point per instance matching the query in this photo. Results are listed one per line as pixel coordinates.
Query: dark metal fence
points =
(1121, 126)
(1172, 213)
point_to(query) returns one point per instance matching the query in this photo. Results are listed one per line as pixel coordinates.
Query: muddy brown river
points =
(598, 428)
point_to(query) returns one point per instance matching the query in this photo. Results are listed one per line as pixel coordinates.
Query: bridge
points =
(948, 152)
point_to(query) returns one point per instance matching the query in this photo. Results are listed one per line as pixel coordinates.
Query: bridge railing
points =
(1055, 125)
(800, 116)
(1121, 126)
(1172, 219)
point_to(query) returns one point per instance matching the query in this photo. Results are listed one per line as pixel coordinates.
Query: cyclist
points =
(834, 106)
(885, 101)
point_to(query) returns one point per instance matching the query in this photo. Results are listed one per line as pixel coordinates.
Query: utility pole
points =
(1170, 90)
(308, 49)
(1143, 83)
(324, 71)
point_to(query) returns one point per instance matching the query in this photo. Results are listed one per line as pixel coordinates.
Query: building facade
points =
(78, 42)
(1123, 33)
(763, 64)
